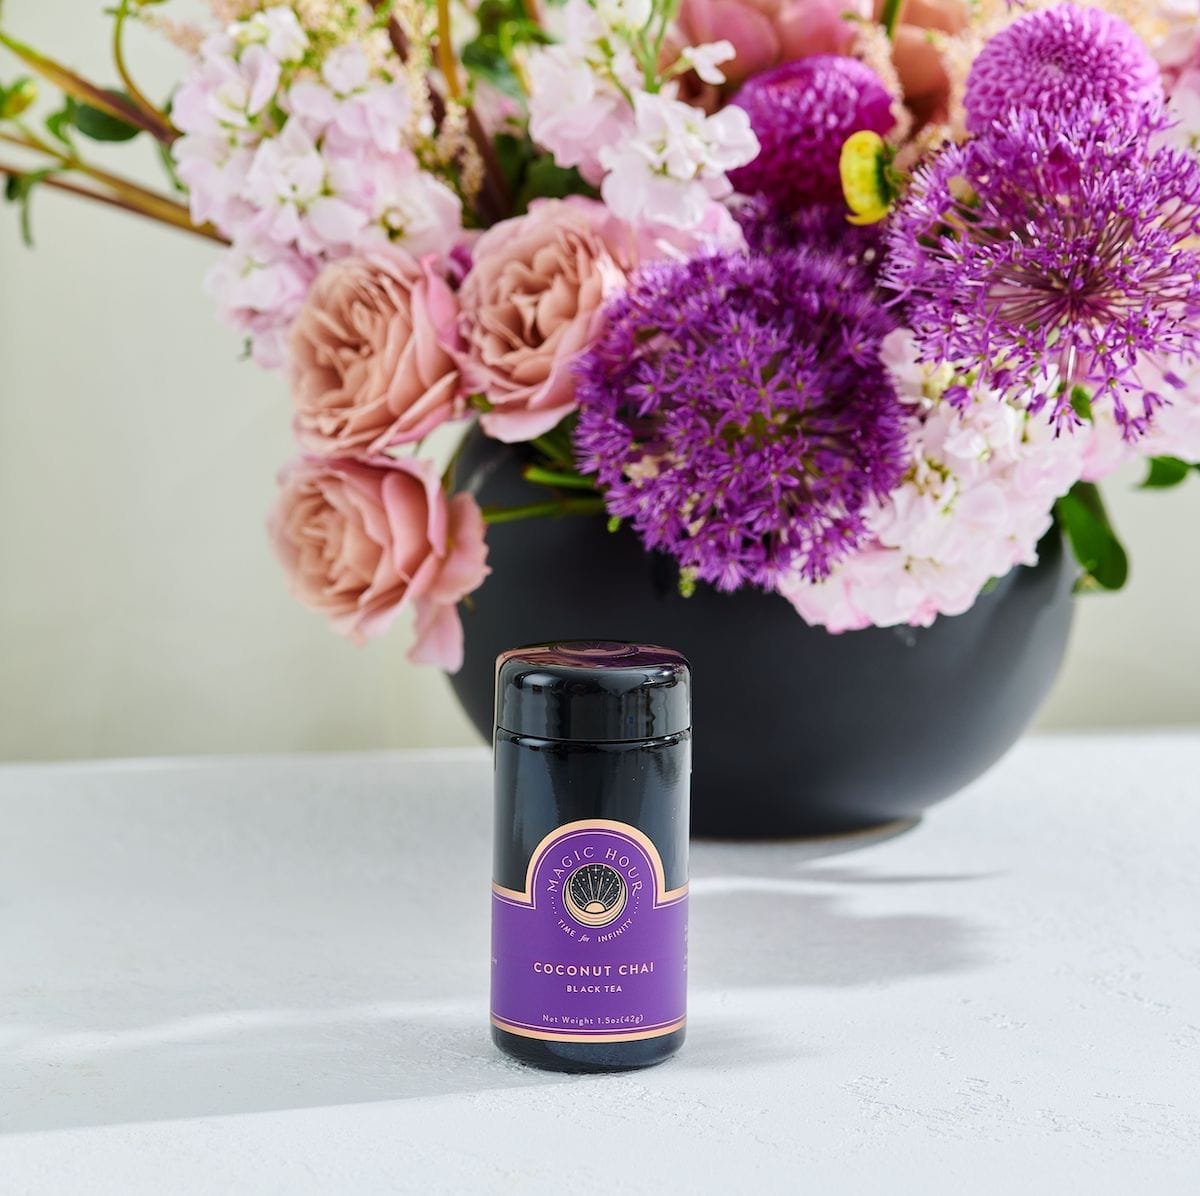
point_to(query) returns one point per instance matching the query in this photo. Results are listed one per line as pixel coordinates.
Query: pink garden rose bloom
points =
(532, 298)
(369, 366)
(767, 32)
(360, 541)
(536, 285)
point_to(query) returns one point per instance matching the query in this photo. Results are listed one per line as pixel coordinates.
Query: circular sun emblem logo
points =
(595, 895)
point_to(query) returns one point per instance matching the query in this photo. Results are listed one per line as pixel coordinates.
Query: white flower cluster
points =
(299, 158)
(978, 497)
(596, 105)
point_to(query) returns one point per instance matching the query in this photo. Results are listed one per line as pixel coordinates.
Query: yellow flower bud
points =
(17, 99)
(863, 166)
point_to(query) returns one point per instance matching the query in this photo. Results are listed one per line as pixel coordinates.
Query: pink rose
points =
(767, 32)
(369, 364)
(532, 298)
(359, 541)
(535, 288)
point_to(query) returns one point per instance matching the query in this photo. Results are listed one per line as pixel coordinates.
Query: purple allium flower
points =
(770, 229)
(802, 112)
(1058, 59)
(735, 408)
(1049, 253)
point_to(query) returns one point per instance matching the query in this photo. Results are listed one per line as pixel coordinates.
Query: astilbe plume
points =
(1053, 254)
(734, 407)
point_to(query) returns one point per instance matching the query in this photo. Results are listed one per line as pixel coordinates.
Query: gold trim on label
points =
(583, 1036)
(662, 895)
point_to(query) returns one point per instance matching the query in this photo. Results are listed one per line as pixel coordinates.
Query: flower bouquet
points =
(843, 301)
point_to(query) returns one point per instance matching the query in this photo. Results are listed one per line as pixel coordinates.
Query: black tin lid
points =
(593, 691)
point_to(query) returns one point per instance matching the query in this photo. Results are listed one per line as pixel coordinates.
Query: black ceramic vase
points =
(796, 732)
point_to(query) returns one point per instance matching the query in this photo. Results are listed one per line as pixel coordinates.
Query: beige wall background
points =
(141, 611)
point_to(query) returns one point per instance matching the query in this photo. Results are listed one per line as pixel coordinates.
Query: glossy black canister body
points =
(591, 734)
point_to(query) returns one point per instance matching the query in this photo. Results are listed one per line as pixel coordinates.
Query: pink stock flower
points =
(1174, 430)
(361, 541)
(976, 500)
(259, 288)
(573, 113)
(676, 161)
(534, 293)
(299, 168)
(369, 364)
(767, 32)
(1184, 109)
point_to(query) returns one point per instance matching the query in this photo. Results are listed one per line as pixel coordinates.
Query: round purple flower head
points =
(770, 229)
(1057, 59)
(802, 112)
(1054, 252)
(736, 410)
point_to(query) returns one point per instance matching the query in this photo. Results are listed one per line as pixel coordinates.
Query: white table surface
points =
(270, 975)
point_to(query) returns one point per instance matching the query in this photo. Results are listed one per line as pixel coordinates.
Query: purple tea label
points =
(595, 946)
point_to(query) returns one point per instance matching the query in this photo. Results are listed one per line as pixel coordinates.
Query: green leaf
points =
(514, 155)
(102, 126)
(483, 62)
(1165, 472)
(17, 189)
(90, 121)
(59, 124)
(168, 165)
(546, 178)
(114, 103)
(1092, 539)
(1081, 402)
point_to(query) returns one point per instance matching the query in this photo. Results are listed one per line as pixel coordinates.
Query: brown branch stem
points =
(447, 63)
(147, 200)
(495, 200)
(116, 201)
(495, 187)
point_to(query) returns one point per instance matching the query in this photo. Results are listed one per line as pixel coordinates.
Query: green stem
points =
(549, 447)
(556, 477)
(564, 506)
(134, 92)
(669, 10)
(889, 18)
